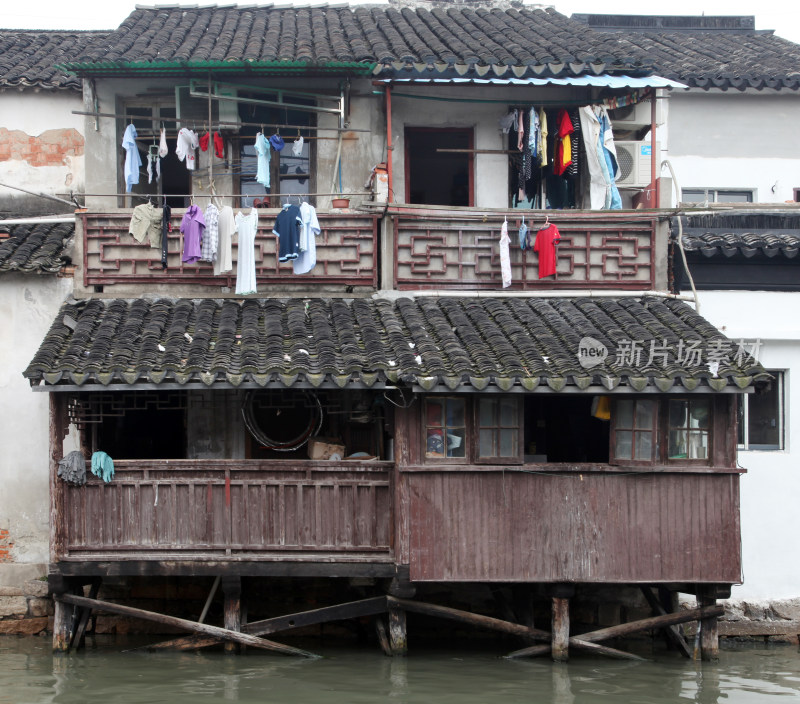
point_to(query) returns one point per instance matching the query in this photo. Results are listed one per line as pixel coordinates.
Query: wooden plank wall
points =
(200, 507)
(595, 527)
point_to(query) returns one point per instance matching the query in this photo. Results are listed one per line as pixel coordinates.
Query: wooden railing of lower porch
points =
(229, 509)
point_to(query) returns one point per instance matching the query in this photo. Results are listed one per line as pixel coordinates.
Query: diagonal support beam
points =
(672, 632)
(625, 629)
(223, 633)
(340, 612)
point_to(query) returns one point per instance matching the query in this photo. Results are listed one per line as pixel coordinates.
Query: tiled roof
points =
(749, 234)
(35, 247)
(537, 41)
(704, 53)
(428, 343)
(28, 58)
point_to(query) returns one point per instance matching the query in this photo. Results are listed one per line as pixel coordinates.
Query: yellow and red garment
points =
(563, 143)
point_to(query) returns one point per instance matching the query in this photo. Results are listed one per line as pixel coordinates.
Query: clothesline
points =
(193, 121)
(214, 195)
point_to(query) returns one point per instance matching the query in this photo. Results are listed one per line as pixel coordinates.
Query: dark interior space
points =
(144, 434)
(434, 177)
(563, 429)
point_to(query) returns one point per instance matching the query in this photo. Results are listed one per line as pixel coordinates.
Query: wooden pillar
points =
(232, 589)
(397, 631)
(560, 622)
(63, 615)
(709, 630)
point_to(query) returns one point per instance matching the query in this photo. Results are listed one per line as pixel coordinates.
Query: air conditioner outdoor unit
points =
(635, 116)
(634, 163)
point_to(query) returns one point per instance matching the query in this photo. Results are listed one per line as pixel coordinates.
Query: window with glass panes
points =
(761, 417)
(445, 428)
(498, 427)
(688, 433)
(635, 435)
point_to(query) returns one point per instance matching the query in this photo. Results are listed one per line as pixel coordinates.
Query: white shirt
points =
(309, 229)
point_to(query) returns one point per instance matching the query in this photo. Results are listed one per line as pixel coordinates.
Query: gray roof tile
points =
(747, 234)
(35, 247)
(430, 342)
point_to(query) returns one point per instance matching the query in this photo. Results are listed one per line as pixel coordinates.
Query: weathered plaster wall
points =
(41, 149)
(28, 305)
(771, 486)
(736, 141)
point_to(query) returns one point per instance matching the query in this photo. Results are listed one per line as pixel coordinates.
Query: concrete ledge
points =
(15, 574)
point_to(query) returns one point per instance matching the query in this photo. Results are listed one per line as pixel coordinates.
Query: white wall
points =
(28, 305)
(41, 148)
(735, 140)
(771, 488)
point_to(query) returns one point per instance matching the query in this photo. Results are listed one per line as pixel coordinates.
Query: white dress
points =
(246, 226)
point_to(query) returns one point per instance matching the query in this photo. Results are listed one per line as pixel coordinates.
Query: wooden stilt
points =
(560, 637)
(62, 626)
(709, 630)
(79, 632)
(672, 632)
(232, 589)
(183, 623)
(383, 637)
(397, 630)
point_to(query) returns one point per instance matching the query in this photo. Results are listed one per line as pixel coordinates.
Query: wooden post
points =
(560, 643)
(58, 429)
(397, 630)
(709, 630)
(62, 626)
(232, 588)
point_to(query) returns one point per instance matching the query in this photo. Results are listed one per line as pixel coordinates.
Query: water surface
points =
(105, 673)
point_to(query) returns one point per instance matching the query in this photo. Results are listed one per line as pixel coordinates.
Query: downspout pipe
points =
(389, 145)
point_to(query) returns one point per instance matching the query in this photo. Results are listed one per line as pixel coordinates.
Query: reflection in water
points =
(31, 674)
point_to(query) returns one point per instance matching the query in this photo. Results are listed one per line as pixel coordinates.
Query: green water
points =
(30, 673)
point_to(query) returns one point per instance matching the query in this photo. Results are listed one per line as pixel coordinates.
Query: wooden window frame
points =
(471, 432)
(719, 416)
(743, 443)
(654, 429)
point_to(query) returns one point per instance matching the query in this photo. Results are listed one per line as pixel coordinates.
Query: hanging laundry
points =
(603, 191)
(153, 160)
(263, 154)
(204, 140)
(520, 130)
(572, 169)
(545, 245)
(247, 227)
(508, 121)
(146, 224)
(166, 227)
(226, 226)
(523, 235)
(543, 137)
(133, 162)
(102, 466)
(72, 468)
(192, 227)
(609, 156)
(297, 146)
(309, 229)
(184, 150)
(563, 155)
(276, 142)
(287, 230)
(219, 146)
(533, 136)
(162, 144)
(210, 234)
(505, 255)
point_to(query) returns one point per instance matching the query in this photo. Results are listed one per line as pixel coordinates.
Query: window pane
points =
(764, 419)
(699, 414)
(698, 445)
(677, 414)
(487, 443)
(508, 413)
(435, 443)
(644, 446)
(624, 440)
(434, 412)
(624, 417)
(734, 196)
(455, 443)
(507, 443)
(644, 414)
(693, 196)
(677, 444)
(487, 412)
(455, 412)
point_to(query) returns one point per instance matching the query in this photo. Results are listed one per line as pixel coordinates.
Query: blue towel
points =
(102, 466)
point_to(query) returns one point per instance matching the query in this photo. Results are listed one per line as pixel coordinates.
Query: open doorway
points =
(435, 176)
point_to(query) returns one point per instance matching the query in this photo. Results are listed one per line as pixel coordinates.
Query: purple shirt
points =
(192, 227)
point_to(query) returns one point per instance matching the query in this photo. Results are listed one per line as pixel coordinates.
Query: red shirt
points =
(545, 245)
